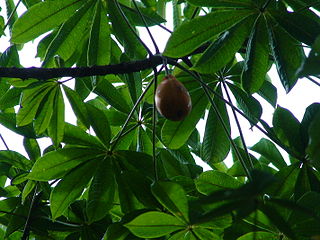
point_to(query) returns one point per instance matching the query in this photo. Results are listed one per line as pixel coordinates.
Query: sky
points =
(301, 96)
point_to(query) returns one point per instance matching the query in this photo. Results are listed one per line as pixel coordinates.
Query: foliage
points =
(124, 171)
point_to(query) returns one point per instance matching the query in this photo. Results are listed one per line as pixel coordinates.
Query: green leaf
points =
(11, 98)
(116, 231)
(49, 14)
(9, 121)
(57, 123)
(70, 34)
(268, 150)
(204, 234)
(70, 188)
(221, 52)
(307, 181)
(185, 235)
(310, 114)
(313, 149)
(288, 56)
(175, 134)
(259, 236)
(222, 3)
(77, 105)
(99, 123)
(76, 136)
(269, 92)
(287, 129)
(15, 159)
(204, 28)
(154, 224)
(211, 181)
(30, 103)
(248, 104)
(32, 148)
(298, 24)
(216, 144)
(257, 58)
(112, 96)
(172, 197)
(124, 33)
(43, 119)
(101, 192)
(286, 179)
(99, 49)
(57, 163)
(28, 188)
(150, 15)
(140, 184)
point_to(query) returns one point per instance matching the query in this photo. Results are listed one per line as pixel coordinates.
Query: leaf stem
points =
(4, 142)
(312, 80)
(238, 126)
(131, 28)
(11, 15)
(130, 115)
(154, 125)
(246, 169)
(146, 26)
(26, 230)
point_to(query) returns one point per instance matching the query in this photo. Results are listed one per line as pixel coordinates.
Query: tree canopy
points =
(124, 171)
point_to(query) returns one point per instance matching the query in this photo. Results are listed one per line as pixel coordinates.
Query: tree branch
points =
(48, 73)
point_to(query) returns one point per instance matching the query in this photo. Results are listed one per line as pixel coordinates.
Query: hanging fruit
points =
(172, 99)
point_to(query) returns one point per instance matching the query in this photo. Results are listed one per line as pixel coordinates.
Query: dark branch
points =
(48, 73)
(121, 68)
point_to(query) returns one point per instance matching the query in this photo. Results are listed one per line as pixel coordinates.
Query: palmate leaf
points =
(71, 187)
(216, 144)
(204, 28)
(101, 191)
(57, 123)
(78, 107)
(299, 25)
(43, 17)
(99, 49)
(288, 55)
(259, 236)
(15, 159)
(222, 3)
(287, 128)
(70, 34)
(268, 150)
(154, 224)
(111, 95)
(257, 58)
(172, 197)
(221, 52)
(31, 100)
(123, 32)
(44, 117)
(248, 104)
(57, 163)
(211, 181)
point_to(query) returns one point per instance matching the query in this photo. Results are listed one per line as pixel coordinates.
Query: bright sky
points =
(302, 95)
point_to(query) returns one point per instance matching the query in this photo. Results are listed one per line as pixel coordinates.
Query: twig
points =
(11, 15)
(312, 80)
(238, 125)
(154, 125)
(146, 26)
(26, 230)
(130, 115)
(131, 28)
(4, 142)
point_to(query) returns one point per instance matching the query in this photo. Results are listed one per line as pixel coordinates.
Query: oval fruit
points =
(172, 99)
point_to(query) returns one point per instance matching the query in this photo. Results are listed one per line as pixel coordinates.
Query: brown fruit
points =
(172, 99)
